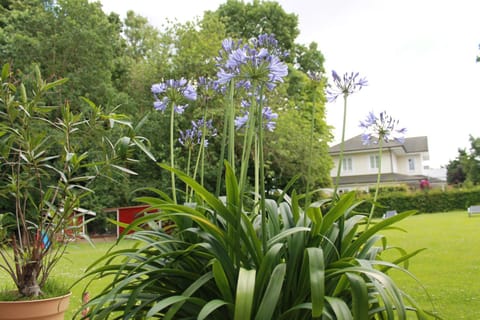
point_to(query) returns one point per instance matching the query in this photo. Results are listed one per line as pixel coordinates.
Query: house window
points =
(374, 161)
(347, 164)
(411, 164)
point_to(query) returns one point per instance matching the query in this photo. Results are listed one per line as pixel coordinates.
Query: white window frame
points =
(347, 164)
(411, 164)
(374, 161)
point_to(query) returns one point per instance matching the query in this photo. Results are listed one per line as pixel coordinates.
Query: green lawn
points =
(73, 265)
(449, 269)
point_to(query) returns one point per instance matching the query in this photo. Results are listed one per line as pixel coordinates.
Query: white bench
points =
(389, 214)
(473, 210)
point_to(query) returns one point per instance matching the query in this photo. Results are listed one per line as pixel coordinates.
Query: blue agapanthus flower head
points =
(381, 127)
(258, 60)
(346, 85)
(269, 118)
(193, 136)
(173, 92)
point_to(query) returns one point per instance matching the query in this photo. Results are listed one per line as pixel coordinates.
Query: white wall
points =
(391, 163)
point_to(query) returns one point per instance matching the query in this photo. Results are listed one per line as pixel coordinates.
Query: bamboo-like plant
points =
(225, 259)
(45, 173)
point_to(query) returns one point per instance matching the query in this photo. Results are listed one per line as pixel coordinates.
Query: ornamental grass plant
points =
(246, 254)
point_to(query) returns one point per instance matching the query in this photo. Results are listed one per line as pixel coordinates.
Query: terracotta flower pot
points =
(44, 309)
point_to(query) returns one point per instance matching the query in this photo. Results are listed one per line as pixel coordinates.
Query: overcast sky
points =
(418, 56)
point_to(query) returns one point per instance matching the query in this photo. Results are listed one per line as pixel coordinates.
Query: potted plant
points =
(46, 171)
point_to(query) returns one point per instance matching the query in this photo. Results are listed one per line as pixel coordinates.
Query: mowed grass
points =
(79, 256)
(449, 268)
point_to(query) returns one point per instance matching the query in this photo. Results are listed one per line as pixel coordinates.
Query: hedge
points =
(423, 202)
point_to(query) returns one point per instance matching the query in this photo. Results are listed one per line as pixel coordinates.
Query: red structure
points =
(126, 215)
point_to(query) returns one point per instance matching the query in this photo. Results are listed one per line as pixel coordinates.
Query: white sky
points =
(418, 56)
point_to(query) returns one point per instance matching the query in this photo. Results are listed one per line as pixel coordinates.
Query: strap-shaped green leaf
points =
(359, 292)
(272, 293)
(244, 296)
(316, 268)
(210, 307)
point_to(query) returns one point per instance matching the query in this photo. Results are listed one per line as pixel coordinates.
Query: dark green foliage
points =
(425, 202)
(210, 264)
(114, 63)
(465, 169)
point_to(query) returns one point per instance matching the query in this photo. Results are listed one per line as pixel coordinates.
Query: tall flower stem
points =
(247, 143)
(187, 197)
(380, 152)
(342, 145)
(172, 156)
(261, 169)
(228, 133)
(310, 157)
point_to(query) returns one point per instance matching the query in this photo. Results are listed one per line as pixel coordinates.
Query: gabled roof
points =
(411, 145)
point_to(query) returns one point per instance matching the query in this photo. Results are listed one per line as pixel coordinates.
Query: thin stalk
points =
(201, 154)
(260, 164)
(247, 145)
(310, 157)
(342, 144)
(257, 173)
(228, 129)
(189, 158)
(172, 159)
(380, 152)
(341, 221)
(231, 126)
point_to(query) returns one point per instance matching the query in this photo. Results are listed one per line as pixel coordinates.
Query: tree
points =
(466, 167)
(67, 38)
(246, 20)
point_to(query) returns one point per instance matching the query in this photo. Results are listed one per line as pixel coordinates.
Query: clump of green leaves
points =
(46, 170)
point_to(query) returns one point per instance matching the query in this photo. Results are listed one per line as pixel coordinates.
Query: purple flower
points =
(268, 119)
(383, 127)
(193, 136)
(174, 92)
(241, 121)
(257, 60)
(314, 75)
(347, 85)
(161, 105)
(278, 70)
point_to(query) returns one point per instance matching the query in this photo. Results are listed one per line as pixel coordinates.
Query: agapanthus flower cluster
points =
(344, 86)
(193, 136)
(258, 60)
(314, 75)
(174, 92)
(269, 118)
(207, 87)
(383, 127)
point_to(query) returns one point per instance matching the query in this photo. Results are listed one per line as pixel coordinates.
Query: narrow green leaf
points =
(244, 296)
(360, 241)
(316, 268)
(222, 281)
(272, 293)
(210, 307)
(339, 308)
(359, 293)
(145, 150)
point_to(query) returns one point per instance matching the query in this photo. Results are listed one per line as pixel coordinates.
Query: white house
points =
(401, 163)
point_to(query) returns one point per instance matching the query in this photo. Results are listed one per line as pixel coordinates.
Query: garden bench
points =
(473, 210)
(389, 214)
